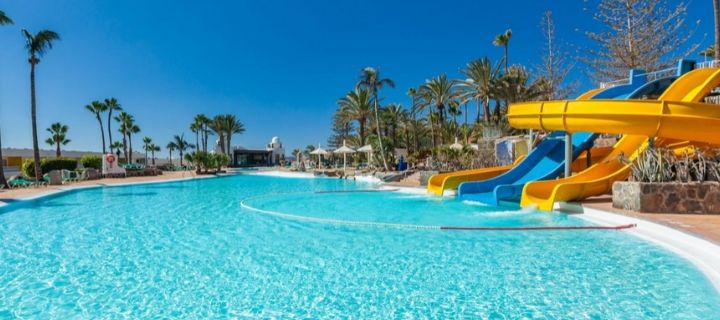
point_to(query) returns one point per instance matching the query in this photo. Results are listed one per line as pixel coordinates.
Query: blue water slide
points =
(547, 160)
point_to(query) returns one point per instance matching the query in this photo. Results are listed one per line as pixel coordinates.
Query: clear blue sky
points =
(280, 66)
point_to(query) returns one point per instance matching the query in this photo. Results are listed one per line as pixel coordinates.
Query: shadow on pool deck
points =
(706, 226)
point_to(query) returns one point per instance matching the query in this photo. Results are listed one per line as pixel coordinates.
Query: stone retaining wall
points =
(697, 198)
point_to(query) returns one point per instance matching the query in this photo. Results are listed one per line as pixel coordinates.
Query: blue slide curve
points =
(546, 161)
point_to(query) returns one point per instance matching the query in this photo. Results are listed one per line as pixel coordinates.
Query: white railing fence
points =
(708, 64)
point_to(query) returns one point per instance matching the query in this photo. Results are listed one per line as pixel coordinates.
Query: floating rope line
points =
(244, 205)
(357, 191)
(620, 227)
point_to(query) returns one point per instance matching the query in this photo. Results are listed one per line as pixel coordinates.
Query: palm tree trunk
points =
(153, 157)
(181, 157)
(205, 139)
(228, 138)
(197, 140)
(3, 182)
(506, 57)
(477, 116)
(486, 109)
(57, 150)
(170, 151)
(716, 11)
(362, 132)
(379, 131)
(125, 148)
(102, 133)
(109, 130)
(130, 150)
(33, 115)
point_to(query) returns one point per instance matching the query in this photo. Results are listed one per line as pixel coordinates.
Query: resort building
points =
(273, 154)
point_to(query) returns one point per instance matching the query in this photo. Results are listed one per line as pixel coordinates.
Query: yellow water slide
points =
(438, 183)
(677, 114)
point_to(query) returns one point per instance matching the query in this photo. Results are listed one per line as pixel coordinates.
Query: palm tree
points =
(153, 148)
(132, 129)
(125, 120)
(392, 115)
(201, 122)
(357, 106)
(440, 91)
(97, 108)
(232, 126)
(181, 145)
(716, 14)
(217, 126)
(195, 128)
(37, 45)
(503, 40)
(111, 104)
(58, 136)
(4, 20)
(370, 79)
(117, 145)
(481, 75)
(146, 146)
(171, 146)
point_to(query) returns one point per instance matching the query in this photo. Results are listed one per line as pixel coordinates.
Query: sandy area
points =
(22, 193)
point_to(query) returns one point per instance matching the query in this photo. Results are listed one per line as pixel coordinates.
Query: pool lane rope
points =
(244, 205)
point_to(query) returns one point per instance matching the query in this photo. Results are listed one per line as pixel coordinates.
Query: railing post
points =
(532, 139)
(568, 154)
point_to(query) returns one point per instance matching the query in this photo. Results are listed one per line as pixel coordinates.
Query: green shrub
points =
(47, 165)
(90, 161)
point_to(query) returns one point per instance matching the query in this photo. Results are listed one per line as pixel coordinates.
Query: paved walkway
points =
(705, 226)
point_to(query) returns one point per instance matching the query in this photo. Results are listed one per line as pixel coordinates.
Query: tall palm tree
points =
(153, 148)
(481, 75)
(181, 145)
(111, 104)
(132, 129)
(392, 115)
(97, 108)
(37, 45)
(58, 136)
(146, 146)
(171, 146)
(125, 120)
(202, 122)
(503, 40)
(440, 91)
(196, 128)
(217, 126)
(357, 106)
(716, 13)
(4, 20)
(231, 126)
(370, 79)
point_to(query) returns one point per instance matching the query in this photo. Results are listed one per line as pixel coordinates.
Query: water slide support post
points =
(532, 139)
(568, 154)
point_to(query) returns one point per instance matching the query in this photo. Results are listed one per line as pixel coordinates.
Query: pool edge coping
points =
(703, 254)
(62, 189)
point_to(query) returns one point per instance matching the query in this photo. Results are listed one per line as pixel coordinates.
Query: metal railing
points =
(609, 84)
(708, 64)
(664, 73)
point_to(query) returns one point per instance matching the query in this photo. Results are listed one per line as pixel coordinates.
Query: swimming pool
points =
(190, 250)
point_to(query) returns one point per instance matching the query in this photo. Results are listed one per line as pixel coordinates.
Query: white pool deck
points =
(704, 254)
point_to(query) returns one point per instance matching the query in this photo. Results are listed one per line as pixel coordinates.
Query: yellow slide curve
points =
(677, 114)
(438, 183)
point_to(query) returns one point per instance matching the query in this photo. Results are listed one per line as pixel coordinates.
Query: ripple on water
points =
(192, 252)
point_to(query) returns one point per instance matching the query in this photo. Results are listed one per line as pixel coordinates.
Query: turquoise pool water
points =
(189, 250)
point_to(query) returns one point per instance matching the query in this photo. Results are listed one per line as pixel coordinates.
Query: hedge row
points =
(94, 162)
(47, 165)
